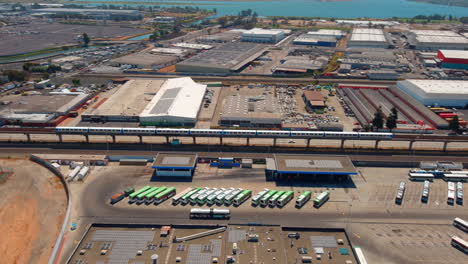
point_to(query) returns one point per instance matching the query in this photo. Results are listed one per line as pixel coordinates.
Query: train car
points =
(307, 134)
(172, 131)
(105, 130)
(234, 133)
(138, 131)
(341, 134)
(273, 133)
(372, 135)
(71, 130)
(206, 132)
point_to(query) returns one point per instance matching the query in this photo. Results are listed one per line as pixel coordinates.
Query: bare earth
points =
(32, 208)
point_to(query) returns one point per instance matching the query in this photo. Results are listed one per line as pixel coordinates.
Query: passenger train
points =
(220, 133)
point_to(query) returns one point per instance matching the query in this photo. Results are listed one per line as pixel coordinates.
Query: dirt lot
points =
(33, 205)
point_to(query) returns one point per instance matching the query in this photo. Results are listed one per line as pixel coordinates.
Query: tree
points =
(378, 121)
(86, 40)
(222, 21)
(76, 82)
(394, 112)
(391, 122)
(18, 76)
(454, 124)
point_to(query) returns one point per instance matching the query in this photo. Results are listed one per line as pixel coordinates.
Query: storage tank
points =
(83, 172)
(73, 173)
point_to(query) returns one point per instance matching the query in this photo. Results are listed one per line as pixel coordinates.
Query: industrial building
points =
(436, 39)
(313, 100)
(169, 51)
(437, 92)
(309, 168)
(453, 59)
(125, 104)
(229, 57)
(305, 39)
(251, 111)
(326, 33)
(145, 60)
(177, 103)
(175, 165)
(222, 37)
(260, 35)
(298, 64)
(193, 46)
(368, 37)
(101, 14)
(39, 109)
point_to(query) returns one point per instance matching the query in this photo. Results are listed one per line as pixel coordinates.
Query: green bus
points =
(176, 199)
(321, 199)
(240, 198)
(274, 198)
(230, 197)
(258, 196)
(186, 198)
(133, 195)
(154, 193)
(266, 197)
(285, 198)
(162, 196)
(142, 196)
(303, 199)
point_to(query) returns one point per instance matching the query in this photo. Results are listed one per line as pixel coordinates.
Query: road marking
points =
(170, 246)
(356, 235)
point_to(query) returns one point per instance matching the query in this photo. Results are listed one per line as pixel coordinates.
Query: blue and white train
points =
(219, 133)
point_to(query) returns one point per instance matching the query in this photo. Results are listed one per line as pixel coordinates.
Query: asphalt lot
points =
(367, 211)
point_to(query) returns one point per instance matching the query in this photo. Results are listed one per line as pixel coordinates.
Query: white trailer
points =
(73, 173)
(83, 172)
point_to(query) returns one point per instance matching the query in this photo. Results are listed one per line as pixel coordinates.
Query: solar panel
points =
(294, 163)
(176, 160)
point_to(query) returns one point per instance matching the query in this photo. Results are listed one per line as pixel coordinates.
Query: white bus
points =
(209, 213)
(400, 193)
(454, 177)
(421, 176)
(258, 196)
(229, 199)
(178, 198)
(210, 200)
(425, 192)
(459, 193)
(460, 244)
(220, 198)
(360, 255)
(461, 224)
(194, 198)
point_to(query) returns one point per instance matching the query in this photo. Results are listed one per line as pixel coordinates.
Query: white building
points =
(261, 35)
(437, 92)
(326, 33)
(436, 39)
(177, 103)
(368, 37)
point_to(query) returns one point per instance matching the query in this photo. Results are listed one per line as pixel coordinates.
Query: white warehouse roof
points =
(178, 98)
(264, 32)
(455, 54)
(437, 92)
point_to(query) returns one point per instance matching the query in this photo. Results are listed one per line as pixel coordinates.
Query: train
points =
(220, 133)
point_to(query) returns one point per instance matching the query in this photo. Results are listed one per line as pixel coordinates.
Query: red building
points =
(453, 59)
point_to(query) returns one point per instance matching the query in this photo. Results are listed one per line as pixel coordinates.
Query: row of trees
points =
(392, 120)
(246, 18)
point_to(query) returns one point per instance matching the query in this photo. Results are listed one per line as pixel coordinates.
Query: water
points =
(316, 8)
(141, 37)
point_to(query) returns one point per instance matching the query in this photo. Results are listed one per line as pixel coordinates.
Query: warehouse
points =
(309, 168)
(260, 35)
(453, 59)
(449, 93)
(313, 100)
(436, 39)
(125, 104)
(251, 111)
(327, 33)
(177, 103)
(368, 37)
(144, 60)
(227, 58)
(39, 110)
(175, 165)
(300, 64)
(305, 39)
(192, 46)
(102, 14)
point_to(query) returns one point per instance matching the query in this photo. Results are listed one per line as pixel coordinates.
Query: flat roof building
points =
(324, 33)
(175, 165)
(437, 92)
(368, 37)
(126, 103)
(436, 39)
(309, 167)
(229, 57)
(192, 46)
(453, 59)
(261, 35)
(145, 60)
(251, 111)
(313, 100)
(177, 103)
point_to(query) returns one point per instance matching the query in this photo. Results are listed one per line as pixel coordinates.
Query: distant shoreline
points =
(462, 3)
